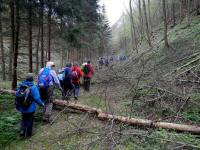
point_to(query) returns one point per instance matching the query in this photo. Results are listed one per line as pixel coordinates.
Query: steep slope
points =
(159, 83)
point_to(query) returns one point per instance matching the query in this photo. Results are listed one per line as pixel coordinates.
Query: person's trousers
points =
(76, 89)
(27, 124)
(68, 88)
(86, 83)
(46, 95)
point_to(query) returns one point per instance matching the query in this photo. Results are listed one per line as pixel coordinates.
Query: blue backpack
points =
(67, 74)
(23, 97)
(44, 78)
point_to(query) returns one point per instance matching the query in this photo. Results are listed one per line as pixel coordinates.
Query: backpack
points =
(23, 96)
(44, 78)
(86, 69)
(67, 73)
(74, 75)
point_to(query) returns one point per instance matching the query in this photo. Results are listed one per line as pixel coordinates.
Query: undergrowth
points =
(9, 119)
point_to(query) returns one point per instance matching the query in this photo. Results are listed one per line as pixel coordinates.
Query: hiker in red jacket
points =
(76, 76)
(88, 72)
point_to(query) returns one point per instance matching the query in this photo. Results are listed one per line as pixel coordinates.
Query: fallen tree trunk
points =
(79, 107)
(131, 121)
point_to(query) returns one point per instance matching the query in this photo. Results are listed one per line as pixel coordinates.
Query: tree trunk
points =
(147, 25)
(49, 30)
(12, 39)
(37, 48)
(124, 34)
(188, 12)
(62, 58)
(149, 16)
(30, 35)
(197, 7)
(42, 32)
(16, 38)
(2, 50)
(181, 10)
(130, 121)
(140, 20)
(133, 33)
(173, 13)
(165, 24)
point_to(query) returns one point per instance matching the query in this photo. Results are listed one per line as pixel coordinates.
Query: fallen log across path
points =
(131, 121)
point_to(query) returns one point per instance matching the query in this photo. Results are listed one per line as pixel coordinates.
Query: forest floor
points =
(75, 130)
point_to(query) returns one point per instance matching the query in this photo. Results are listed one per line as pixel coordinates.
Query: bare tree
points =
(133, 33)
(124, 33)
(2, 49)
(147, 24)
(197, 7)
(15, 37)
(149, 16)
(165, 24)
(173, 12)
(188, 12)
(140, 19)
(49, 29)
(42, 31)
(30, 35)
(11, 39)
(38, 45)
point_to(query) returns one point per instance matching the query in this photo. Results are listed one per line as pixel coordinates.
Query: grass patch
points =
(94, 101)
(9, 119)
(192, 112)
(162, 139)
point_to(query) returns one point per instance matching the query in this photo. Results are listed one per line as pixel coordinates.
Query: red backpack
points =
(74, 75)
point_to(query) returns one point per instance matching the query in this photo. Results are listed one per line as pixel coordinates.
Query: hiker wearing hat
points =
(47, 80)
(27, 95)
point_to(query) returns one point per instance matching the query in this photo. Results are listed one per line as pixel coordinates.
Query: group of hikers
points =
(106, 60)
(68, 81)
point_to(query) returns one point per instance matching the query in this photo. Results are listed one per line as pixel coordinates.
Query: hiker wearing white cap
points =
(47, 80)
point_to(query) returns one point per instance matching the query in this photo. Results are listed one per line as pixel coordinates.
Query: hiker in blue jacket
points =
(47, 81)
(29, 110)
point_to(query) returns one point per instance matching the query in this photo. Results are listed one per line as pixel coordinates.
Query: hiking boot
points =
(75, 97)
